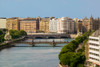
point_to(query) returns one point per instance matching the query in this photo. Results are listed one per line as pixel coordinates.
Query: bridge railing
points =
(49, 40)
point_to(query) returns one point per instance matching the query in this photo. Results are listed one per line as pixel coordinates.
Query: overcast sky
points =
(48, 8)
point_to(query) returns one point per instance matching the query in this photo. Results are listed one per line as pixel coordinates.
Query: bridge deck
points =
(51, 43)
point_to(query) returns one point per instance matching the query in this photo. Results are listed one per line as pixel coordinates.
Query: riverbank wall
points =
(5, 45)
(8, 44)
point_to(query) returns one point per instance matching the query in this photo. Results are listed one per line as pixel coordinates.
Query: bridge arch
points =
(64, 37)
(38, 37)
(51, 37)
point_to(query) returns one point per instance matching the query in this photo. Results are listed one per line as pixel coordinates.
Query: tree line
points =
(14, 34)
(1, 36)
(69, 57)
(17, 34)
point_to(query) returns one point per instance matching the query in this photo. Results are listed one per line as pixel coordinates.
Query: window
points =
(93, 44)
(93, 54)
(93, 39)
(94, 49)
(93, 58)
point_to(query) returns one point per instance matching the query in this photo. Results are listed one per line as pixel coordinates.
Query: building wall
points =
(79, 26)
(86, 24)
(12, 24)
(66, 25)
(53, 25)
(44, 25)
(2, 23)
(94, 50)
(96, 24)
(91, 24)
(30, 26)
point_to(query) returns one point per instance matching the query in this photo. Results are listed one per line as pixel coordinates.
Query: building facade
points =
(79, 26)
(91, 24)
(53, 25)
(2, 23)
(93, 50)
(13, 24)
(29, 25)
(66, 25)
(44, 25)
(96, 24)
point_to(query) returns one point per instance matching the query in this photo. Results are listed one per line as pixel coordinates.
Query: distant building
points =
(66, 25)
(93, 51)
(44, 25)
(79, 26)
(29, 25)
(13, 24)
(91, 24)
(2, 23)
(53, 25)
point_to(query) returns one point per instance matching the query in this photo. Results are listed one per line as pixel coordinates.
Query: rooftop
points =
(96, 33)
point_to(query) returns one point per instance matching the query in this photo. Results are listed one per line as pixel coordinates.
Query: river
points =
(30, 56)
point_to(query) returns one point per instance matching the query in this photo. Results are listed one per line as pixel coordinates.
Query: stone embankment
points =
(7, 44)
(62, 65)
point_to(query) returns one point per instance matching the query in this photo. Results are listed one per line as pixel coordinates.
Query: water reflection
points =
(30, 56)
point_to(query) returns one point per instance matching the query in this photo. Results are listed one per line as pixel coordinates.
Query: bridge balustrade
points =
(49, 40)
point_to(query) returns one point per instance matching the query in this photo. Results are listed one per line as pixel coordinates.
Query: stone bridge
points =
(52, 42)
(47, 36)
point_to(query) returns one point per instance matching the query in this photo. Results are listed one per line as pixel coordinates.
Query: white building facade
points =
(53, 25)
(66, 25)
(2, 23)
(94, 51)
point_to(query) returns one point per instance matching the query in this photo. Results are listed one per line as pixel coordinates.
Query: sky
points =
(47, 8)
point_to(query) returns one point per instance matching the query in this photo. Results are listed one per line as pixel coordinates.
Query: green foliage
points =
(1, 32)
(4, 29)
(80, 65)
(16, 34)
(2, 38)
(68, 56)
(72, 59)
(22, 33)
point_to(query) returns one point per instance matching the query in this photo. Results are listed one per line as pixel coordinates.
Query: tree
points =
(66, 58)
(2, 38)
(1, 32)
(16, 34)
(67, 54)
(22, 33)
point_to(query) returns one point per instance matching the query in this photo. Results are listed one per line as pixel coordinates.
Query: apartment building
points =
(79, 26)
(13, 24)
(66, 25)
(2, 23)
(30, 25)
(44, 25)
(94, 50)
(53, 25)
(91, 24)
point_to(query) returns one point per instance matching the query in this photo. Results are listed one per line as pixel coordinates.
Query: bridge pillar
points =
(46, 37)
(33, 44)
(53, 44)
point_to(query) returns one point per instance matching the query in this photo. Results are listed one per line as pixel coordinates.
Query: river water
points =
(30, 56)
